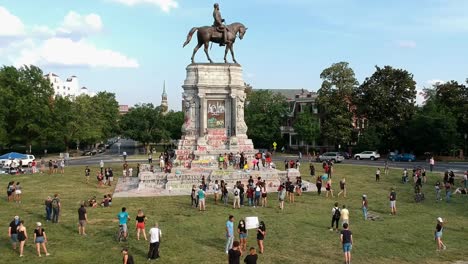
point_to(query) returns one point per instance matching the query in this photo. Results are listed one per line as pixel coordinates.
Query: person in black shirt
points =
(82, 219)
(346, 238)
(252, 257)
(127, 258)
(234, 253)
(12, 231)
(261, 232)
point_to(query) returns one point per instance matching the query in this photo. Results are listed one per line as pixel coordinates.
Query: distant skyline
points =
(130, 47)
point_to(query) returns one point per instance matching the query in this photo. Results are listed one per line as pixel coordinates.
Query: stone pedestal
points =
(214, 96)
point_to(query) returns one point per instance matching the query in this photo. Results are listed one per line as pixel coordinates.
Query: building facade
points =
(69, 87)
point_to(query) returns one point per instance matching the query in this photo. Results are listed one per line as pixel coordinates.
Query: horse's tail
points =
(189, 36)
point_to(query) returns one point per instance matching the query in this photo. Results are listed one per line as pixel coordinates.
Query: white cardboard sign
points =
(251, 222)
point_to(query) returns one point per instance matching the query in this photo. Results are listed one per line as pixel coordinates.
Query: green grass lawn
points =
(299, 234)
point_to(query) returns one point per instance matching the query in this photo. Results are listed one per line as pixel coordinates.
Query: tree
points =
(335, 103)
(146, 124)
(107, 110)
(264, 113)
(387, 100)
(306, 126)
(174, 121)
(27, 97)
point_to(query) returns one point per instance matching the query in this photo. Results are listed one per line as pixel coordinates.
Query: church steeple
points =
(164, 104)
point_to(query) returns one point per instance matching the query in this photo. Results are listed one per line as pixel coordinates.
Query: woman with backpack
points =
(336, 215)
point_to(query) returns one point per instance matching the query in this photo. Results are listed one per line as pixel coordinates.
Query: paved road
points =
(112, 155)
(439, 166)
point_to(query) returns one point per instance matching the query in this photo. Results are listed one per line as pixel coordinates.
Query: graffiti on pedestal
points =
(216, 138)
(216, 114)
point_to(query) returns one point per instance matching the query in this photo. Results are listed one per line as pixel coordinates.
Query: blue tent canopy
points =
(13, 155)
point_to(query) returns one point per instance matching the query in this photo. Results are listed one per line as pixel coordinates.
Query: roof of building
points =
(290, 94)
(51, 73)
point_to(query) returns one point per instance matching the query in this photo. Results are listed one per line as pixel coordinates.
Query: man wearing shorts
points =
(346, 238)
(12, 231)
(82, 219)
(123, 218)
(392, 197)
(201, 198)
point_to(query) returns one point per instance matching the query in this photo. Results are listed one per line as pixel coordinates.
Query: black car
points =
(346, 155)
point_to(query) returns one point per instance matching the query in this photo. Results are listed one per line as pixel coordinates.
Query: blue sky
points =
(130, 47)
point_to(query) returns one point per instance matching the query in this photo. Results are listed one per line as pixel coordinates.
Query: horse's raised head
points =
(242, 31)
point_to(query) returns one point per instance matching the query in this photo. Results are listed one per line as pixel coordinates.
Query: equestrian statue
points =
(224, 35)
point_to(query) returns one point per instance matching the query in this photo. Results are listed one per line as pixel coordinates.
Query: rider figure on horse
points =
(218, 24)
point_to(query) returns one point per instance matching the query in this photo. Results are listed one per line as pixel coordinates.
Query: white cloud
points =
(65, 45)
(165, 5)
(434, 82)
(420, 100)
(407, 44)
(75, 24)
(66, 52)
(11, 24)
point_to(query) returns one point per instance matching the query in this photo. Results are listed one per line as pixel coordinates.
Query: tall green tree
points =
(306, 126)
(107, 110)
(335, 103)
(174, 121)
(146, 124)
(28, 100)
(264, 114)
(387, 100)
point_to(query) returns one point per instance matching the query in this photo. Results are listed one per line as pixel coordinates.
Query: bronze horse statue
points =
(207, 34)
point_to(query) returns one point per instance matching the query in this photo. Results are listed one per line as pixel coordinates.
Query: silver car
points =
(333, 156)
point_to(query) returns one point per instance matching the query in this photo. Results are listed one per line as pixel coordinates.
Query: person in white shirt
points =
(344, 215)
(236, 193)
(155, 239)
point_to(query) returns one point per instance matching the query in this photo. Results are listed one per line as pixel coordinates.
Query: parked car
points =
(15, 159)
(372, 155)
(402, 157)
(333, 156)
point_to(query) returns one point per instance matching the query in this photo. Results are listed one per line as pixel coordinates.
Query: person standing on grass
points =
(201, 198)
(62, 166)
(392, 197)
(56, 206)
(236, 193)
(150, 158)
(364, 206)
(438, 234)
(48, 208)
(431, 163)
(87, 173)
(82, 219)
(216, 191)
(329, 189)
(242, 231)
(386, 169)
(261, 232)
(155, 240)
(336, 214)
(140, 224)
(318, 183)
(377, 175)
(40, 239)
(312, 169)
(344, 215)
(264, 195)
(22, 236)
(225, 193)
(281, 195)
(18, 192)
(342, 188)
(123, 218)
(229, 233)
(437, 191)
(194, 196)
(13, 231)
(346, 238)
(127, 258)
(234, 253)
(258, 193)
(252, 257)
